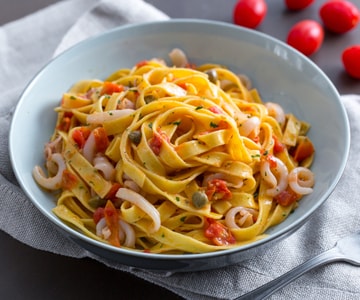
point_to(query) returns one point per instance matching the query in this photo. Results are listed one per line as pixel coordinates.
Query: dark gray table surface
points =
(27, 273)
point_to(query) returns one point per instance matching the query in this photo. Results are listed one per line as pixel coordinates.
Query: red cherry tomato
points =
(306, 36)
(249, 13)
(351, 60)
(339, 16)
(298, 4)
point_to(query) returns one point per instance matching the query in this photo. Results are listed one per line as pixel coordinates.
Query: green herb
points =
(199, 107)
(213, 125)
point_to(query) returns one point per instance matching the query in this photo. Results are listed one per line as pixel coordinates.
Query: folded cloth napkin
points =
(29, 43)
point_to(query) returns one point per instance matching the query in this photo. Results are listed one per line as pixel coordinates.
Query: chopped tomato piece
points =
(217, 189)
(69, 180)
(109, 88)
(155, 144)
(64, 124)
(157, 140)
(304, 149)
(80, 136)
(286, 197)
(278, 146)
(101, 139)
(98, 214)
(190, 66)
(114, 188)
(183, 85)
(112, 221)
(68, 114)
(216, 126)
(218, 233)
(222, 125)
(141, 63)
(270, 159)
(256, 139)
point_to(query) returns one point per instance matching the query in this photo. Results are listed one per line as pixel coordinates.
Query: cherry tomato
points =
(298, 4)
(249, 13)
(351, 60)
(339, 16)
(306, 36)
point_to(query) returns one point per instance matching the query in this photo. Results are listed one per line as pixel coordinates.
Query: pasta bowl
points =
(83, 81)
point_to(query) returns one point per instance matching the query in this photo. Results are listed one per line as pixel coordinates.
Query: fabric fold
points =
(108, 14)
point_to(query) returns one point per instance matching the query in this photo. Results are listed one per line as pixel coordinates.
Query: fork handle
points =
(269, 288)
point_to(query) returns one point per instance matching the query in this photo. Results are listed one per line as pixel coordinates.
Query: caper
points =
(212, 74)
(96, 202)
(149, 98)
(135, 137)
(199, 199)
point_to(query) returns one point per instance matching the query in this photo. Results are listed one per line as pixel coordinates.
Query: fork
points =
(346, 249)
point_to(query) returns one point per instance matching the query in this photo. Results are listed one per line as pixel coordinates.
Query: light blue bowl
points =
(280, 73)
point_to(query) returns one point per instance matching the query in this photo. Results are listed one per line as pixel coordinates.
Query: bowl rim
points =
(191, 256)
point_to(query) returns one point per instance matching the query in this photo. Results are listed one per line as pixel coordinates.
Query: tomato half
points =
(249, 13)
(306, 36)
(339, 16)
(298, 4)
(351, 60)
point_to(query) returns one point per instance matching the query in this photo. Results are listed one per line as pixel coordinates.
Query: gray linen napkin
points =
(52, 30)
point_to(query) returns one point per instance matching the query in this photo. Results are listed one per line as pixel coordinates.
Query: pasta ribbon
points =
(175, 158)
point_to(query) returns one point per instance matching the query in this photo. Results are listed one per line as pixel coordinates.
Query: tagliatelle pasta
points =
(175, 159)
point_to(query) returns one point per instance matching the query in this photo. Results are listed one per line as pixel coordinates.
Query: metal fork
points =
(346, 249)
